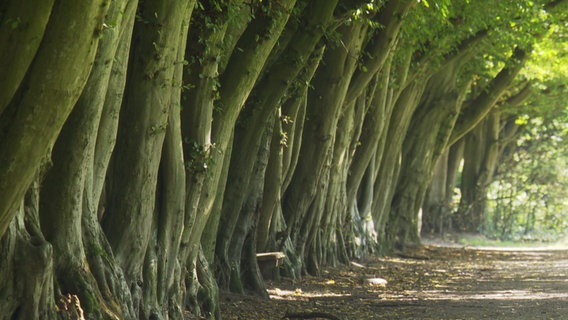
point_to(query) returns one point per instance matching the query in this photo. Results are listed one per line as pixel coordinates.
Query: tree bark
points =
(236, 82)
(390, 153)
(128, 220)
(480, 162)
(425, 141)
(281, 78)
(477, 110)
(27, 265)
(31, 122)
(121, 196)
(324, 107)
(438, 206)
(24, 24)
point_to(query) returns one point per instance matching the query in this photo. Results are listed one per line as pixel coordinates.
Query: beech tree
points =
(493, 137)
(150, 149)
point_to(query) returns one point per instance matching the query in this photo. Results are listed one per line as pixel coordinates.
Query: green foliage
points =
(527, 197)
(286, 120)
(212, 14)
(482, 241)
(436, 28)
(548, 71)
(367, 12)
(199, 158)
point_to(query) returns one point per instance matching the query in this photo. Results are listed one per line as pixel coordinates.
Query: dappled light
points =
(435, 282)
(298, 294)
(283, 159)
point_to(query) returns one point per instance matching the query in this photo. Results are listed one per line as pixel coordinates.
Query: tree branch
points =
(478, 109)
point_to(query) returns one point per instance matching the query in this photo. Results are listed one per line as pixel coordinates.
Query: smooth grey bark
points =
(237, 81)
(266, 97)
(285, 147)
(142, 128)
(477, 109)
(273, 180)
(245, 227)
(425, 141)
(324, 107)
(434, 209)
(390, 156)
(281, 78)
(439, 206)
(363, 240)
(326, 231)
(391, 16)
(474, 112)
(68, 206)
(108, 126)
(362, 237)
(201, 85)
(481, 154)
(30, 124)
(162, 289)
(23, 27)
(27, 257)
(372, 128)
(32, 121)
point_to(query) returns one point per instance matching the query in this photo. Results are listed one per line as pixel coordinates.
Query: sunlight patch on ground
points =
(486, 295)
(492, 245)
(279, 294)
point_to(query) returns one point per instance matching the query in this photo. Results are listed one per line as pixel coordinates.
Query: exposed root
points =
(70, 307)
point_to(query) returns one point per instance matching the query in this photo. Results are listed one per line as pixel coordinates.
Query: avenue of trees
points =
(149, 149)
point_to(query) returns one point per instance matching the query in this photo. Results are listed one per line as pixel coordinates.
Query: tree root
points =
(70, 307)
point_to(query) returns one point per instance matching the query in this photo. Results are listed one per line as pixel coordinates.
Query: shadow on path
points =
(433, 282)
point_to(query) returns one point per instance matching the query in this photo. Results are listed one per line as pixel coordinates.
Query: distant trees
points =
(525, 197)
(149, 150)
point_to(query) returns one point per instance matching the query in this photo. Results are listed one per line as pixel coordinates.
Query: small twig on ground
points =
(309, 315)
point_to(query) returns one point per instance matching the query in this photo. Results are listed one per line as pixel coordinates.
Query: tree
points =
(493, 139)
(148, 155)
(536, 116)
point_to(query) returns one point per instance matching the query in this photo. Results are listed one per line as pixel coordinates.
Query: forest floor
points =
(441, 280)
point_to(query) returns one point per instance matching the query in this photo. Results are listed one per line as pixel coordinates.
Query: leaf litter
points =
(431, 282)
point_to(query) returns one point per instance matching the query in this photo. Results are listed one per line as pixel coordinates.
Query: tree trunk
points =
(477, 109)
(29, 125)
(439, 205)
(68, 205)
(373, 128)
(324, 106)
(434, 208)
(480, 162)
(131, 212)
(280, 78)
(27, 21)
(359, 182)
(27, 265)
(62, 263)
(389, 155)
(236, 82)
(425, 142)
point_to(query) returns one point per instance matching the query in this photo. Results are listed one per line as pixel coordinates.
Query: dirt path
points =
(431, 283)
